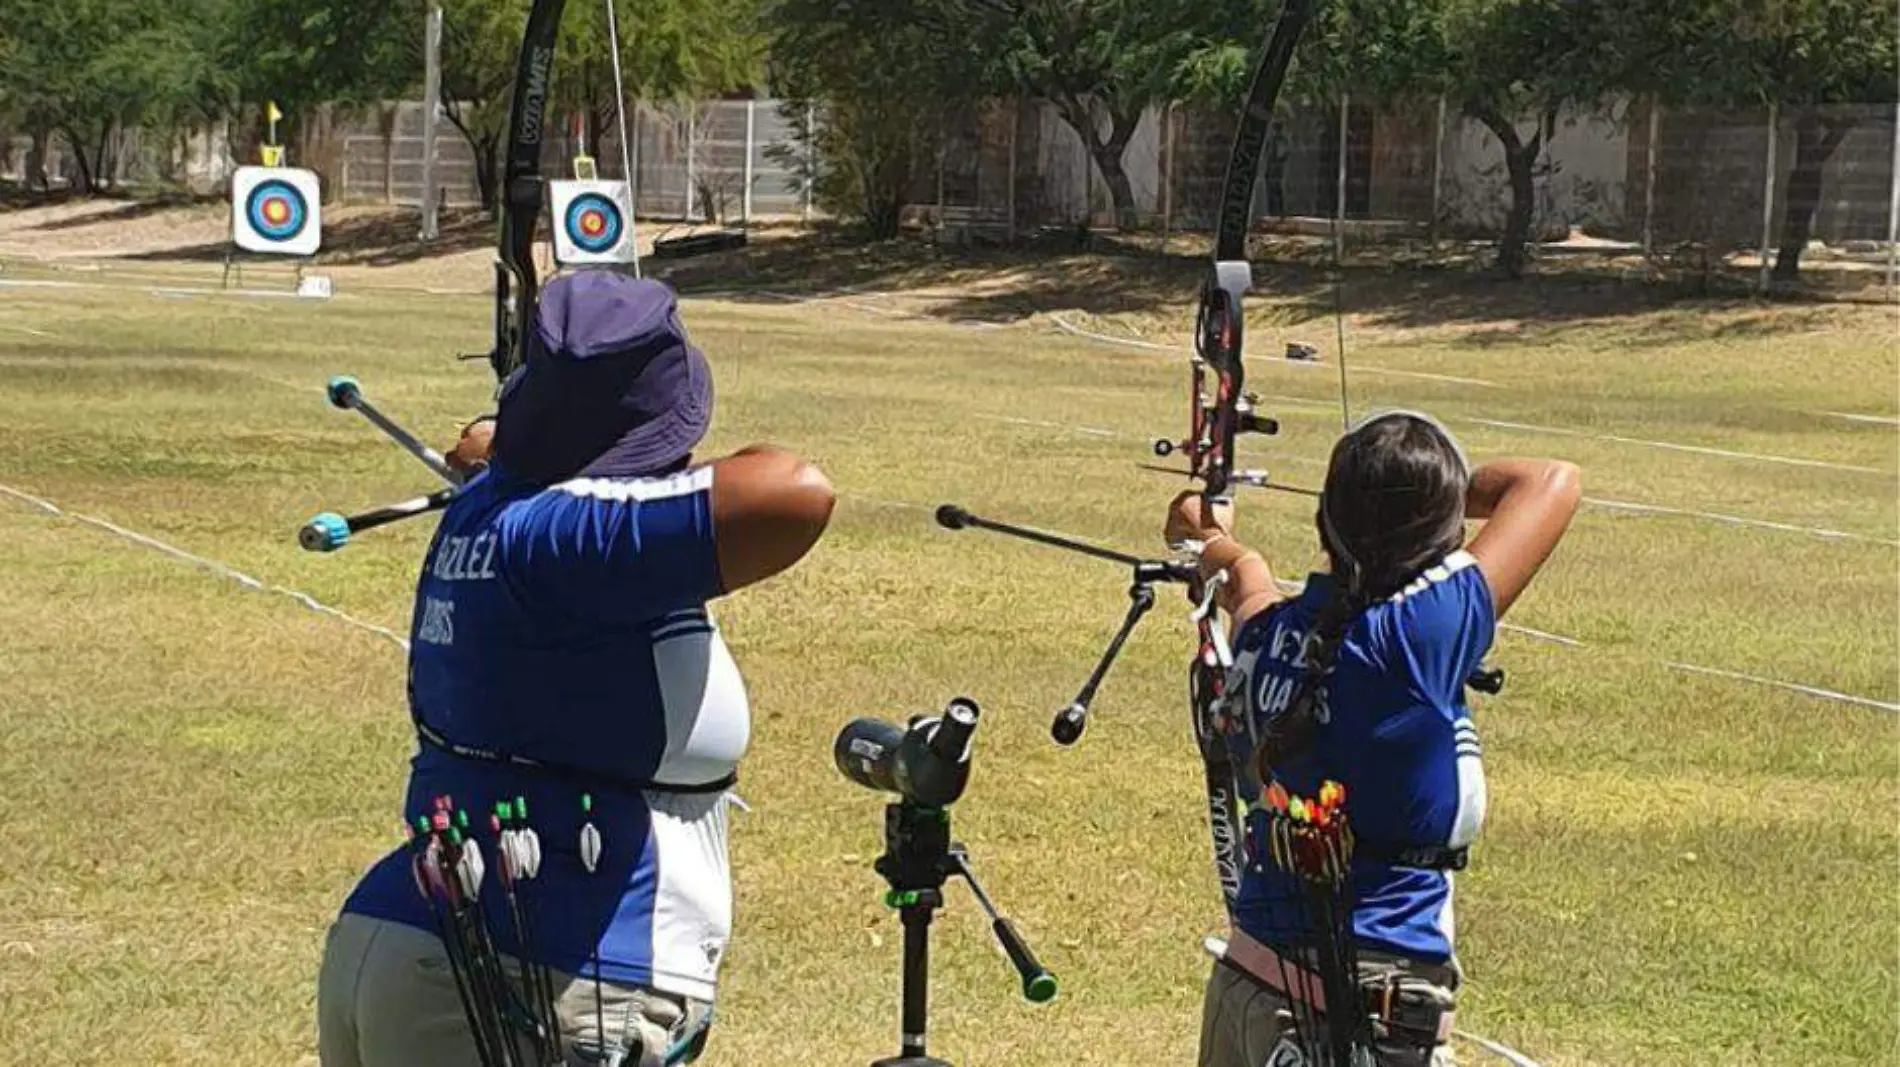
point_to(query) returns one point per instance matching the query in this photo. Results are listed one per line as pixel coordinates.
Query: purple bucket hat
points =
(611, 386)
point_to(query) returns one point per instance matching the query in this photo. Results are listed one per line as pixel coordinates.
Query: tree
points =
(668, 49)
(1509, 63)
(86, 70)
(1805, 54)
(1103, 63)
(877, 78)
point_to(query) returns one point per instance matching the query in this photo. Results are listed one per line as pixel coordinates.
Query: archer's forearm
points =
(1250, 585)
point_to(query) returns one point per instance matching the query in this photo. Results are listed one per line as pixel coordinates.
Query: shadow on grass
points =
(378, 240)
(1399, 287)
(127, 209)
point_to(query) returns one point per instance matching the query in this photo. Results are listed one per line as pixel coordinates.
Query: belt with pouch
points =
(1405, 1006)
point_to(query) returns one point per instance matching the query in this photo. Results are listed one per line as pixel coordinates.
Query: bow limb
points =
(515, 281)
(1221, 411)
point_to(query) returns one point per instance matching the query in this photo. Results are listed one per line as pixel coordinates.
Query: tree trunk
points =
(486, 150)
(1121, 192)
(1520, 159)
(40, 138)
(1815, 140)
(1107, 154)
(104, 161)
(82, 182)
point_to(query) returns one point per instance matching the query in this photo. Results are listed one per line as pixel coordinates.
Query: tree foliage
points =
(87, 70)
(1808, 56)
(879, 81)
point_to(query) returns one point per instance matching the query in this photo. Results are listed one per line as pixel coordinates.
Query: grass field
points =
(1680, 868)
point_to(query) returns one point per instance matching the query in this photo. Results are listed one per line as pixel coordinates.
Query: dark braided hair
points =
(1394, 505)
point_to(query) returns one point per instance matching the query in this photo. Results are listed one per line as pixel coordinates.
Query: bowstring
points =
(626, 151)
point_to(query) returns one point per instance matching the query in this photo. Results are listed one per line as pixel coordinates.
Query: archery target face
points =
(276, 210)
(592, 222)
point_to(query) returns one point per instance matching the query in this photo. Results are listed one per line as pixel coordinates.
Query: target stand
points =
(276, 214)
(592, 223)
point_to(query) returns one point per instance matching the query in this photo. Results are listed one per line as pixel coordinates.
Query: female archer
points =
(564, 666)
(1359, 679)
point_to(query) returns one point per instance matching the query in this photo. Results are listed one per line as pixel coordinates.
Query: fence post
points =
(394, 114)
(431, 105)
(1088, 177)
(1438, 172)
(1167, 173)
(692, 113)
(745, 200)
(1339, 193)
(1649, 179)
(1015, 117)
(633, 164)
(1893, 211)
(1768, 192)
(811, 162)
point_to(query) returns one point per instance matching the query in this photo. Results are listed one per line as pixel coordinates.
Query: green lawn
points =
(1679, 869)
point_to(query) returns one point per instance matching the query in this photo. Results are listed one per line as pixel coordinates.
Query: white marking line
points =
(1542, 635)
(29, 330)
(153, 290)
(1734, 520)
(1762, 457)
(1526, 427)
(1629, 506)
(1809, 690)
(1092, 431)
(1879, 420)
(222, 570)
(1792, 687)
(1498, 1049)
(1357, 368)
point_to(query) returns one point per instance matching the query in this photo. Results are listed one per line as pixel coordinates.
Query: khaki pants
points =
(1241, 1025)
(386, 998)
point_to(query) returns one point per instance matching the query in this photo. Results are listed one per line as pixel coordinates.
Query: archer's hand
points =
(1190, 519)
(470, 454)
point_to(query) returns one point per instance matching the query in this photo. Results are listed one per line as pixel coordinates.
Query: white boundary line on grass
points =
(1068, 327)
(1813, 691)
(1734, 520)
(1704, 450)
(1629, 506)
(222, 570)
(1878, 420)
(1498, 1049)
(152, 290)
(1521, 426)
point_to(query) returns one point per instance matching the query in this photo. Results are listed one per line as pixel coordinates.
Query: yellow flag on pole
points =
(272, 113)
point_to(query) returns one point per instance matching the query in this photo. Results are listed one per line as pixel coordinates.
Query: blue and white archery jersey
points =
(568, 625)
(1396, 731)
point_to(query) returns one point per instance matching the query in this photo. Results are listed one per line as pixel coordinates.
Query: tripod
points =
(919, 857)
